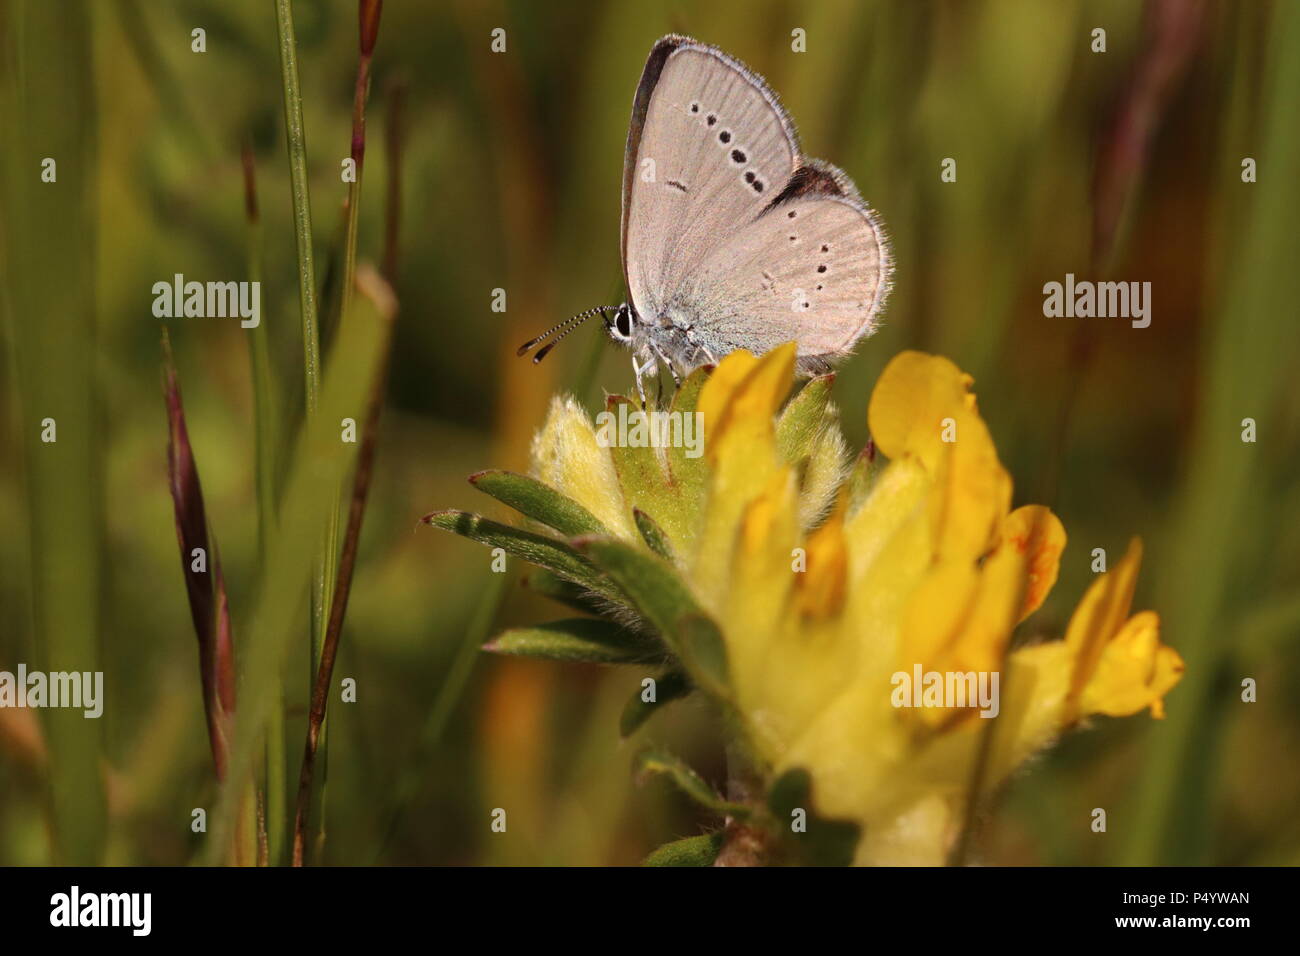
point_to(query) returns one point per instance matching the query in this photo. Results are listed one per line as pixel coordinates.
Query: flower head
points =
(855, 618)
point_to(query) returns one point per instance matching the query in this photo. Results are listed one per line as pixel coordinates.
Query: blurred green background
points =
(510, 165)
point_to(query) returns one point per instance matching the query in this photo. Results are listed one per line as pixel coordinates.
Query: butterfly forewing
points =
(714, 149)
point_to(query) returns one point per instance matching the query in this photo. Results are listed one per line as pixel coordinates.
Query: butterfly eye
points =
(623, 323)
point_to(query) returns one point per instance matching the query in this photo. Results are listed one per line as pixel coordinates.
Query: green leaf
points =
(652, 534)
(539, 501)
(538, 549)
(824, 842)
(704, 651)
(551, 585)
(655, 762)
(803, 419)
(689, 851)
(577, 639)
(671, 685)
(654, 587)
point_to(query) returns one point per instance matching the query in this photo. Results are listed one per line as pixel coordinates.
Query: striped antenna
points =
(564, 328)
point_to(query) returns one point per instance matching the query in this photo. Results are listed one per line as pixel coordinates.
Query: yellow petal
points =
(1003, 583)
(822, 586)
(937, 614)
(972, 491)
(759, 580)
(913, 396)
(752, 403)
(1037, 537)
(961, 618)
(759, 522)
(1135, 671)
(922, 410)
(740, 446)
(1009, 583)
(1099, 615)
(717, 392)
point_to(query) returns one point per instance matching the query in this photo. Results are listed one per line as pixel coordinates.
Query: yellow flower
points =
(865, 614)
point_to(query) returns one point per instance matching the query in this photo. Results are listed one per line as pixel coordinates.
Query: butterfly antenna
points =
(563, 328)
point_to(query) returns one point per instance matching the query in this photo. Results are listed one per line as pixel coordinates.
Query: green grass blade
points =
(318, 466)
(47, 109)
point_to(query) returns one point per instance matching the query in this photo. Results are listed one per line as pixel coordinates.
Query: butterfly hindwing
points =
(814, 266)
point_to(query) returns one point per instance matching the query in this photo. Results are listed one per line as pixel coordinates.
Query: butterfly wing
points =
(708, 148)
(814, 267)
(714, 189)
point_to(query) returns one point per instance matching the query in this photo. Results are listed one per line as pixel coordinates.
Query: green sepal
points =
(688, 851)
(862, 476)
(803, 420)
(824, 842)
(652, 534)
(688, 476)
(642, 476)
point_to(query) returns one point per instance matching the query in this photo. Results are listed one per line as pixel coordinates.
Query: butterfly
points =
(731, 237)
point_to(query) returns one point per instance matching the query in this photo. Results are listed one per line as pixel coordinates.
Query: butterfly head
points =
(622, 325)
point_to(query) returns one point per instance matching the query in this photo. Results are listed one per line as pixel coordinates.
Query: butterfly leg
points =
(700, 347)
(640, 370)
(677, 379)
